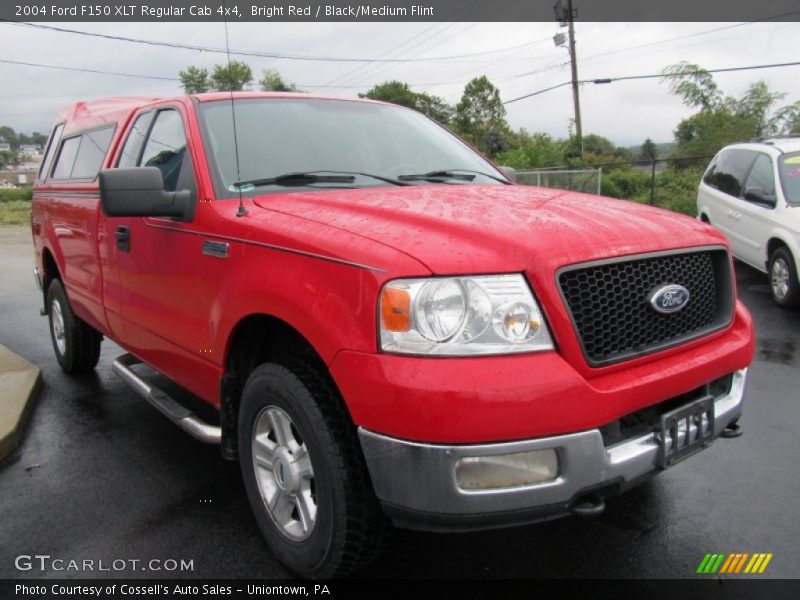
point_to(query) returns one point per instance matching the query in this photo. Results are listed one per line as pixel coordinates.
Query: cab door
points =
(155, 262)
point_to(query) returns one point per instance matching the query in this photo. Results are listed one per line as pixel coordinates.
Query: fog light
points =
(506, 470)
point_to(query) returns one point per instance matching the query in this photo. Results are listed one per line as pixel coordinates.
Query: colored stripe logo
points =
(734, 563)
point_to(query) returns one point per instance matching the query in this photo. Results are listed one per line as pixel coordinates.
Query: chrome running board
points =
(177, 413)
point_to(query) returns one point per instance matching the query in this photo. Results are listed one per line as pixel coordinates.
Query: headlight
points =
(457, 316)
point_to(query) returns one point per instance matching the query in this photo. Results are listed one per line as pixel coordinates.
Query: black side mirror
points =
(509, 172)
(139, 192)
(758, 195)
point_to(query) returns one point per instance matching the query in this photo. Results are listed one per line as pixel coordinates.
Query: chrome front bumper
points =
(416, 482)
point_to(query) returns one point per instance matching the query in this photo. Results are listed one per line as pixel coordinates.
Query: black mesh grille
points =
(612, 315)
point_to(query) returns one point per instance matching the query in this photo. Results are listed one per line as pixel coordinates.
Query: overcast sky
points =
(626, 112)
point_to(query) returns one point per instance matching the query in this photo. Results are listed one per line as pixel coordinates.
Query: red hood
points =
(492, 228)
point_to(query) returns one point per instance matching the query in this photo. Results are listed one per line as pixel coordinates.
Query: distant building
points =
(5, 146)
(31, 149)
(28, 166)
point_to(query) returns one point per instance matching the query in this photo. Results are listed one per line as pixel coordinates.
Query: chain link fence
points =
(577, 180)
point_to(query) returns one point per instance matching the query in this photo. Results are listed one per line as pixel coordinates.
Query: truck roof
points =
(216, 96)
(83, 115)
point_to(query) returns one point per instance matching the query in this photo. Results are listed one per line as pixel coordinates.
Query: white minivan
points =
(751, 193)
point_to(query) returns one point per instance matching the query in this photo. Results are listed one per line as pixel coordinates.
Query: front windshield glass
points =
(277, 136)
(789, 168)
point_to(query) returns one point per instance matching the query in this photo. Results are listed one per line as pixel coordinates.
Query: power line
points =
(370, 67)
(258, 54)
(536, 93)
(603, 80)
(84, 70)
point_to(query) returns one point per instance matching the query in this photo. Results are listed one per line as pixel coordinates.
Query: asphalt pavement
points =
(101, 475)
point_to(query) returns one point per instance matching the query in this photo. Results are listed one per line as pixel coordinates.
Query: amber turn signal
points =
(395, 310)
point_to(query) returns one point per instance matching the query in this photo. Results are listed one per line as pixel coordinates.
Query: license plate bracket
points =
(685, 431)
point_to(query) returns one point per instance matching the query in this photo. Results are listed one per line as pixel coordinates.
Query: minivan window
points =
(81, 156)
(789, 169)
(727, 173)
(55, 138)
(761, 178)
(165, 147)
(277, 136)
(133, 145)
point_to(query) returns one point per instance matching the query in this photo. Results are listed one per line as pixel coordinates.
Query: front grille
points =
(608, 302)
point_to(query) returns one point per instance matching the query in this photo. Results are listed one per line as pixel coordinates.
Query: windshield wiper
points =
(437, 175)
(458, 174)
(290, 179)
(308, 177)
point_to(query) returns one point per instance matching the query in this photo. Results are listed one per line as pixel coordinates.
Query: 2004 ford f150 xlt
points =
(393, 332)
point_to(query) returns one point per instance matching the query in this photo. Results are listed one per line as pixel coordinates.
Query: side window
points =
(93, 149)
(728, 172)
(82, 156)
(55, 138)
(133, 145)
(66, 158)
(760, 184)
(166, 147)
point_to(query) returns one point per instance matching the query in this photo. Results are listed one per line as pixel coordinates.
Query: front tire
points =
(76, 343)
(304, 473)
(783, 278)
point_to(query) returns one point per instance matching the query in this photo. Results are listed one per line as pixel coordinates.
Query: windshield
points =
(789, 168)
(279, 136)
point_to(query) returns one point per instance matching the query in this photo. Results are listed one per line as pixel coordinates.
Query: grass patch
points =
(15, 212)
(9, 195)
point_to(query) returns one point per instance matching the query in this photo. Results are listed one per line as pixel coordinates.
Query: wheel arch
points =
(50, 271)
(255, 339)
(777, 239)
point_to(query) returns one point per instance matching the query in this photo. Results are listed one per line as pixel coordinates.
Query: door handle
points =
(737, 216)
(123, 235)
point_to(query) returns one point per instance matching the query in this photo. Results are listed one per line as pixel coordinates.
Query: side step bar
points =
(177, 413)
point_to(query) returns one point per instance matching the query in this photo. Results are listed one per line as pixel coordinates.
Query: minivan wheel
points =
(783, 278)
(304, 473)
(75, 342)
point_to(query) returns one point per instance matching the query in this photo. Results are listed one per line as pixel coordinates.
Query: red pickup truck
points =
(391, 330)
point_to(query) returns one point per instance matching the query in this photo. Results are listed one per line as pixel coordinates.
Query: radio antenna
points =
(242, 211)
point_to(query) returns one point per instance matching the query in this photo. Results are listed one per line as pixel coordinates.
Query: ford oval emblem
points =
(668, 298)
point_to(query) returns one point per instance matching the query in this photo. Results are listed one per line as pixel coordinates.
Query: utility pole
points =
(569, 16)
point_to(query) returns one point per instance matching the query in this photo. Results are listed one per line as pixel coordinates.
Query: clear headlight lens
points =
(460, 316)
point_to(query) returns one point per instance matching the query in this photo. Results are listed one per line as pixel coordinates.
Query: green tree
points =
(757, 104)
(532, 151)
(479, 111)
(597, 144)
(649, 151)
(723, 119)
(8, 157)
(399, 92)
(195, 80)
(704, 133)
(396, 92)
(231, 77)
(273, 82)
(8, 135)
(694, 84)
(435, 107)
(786, 120)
